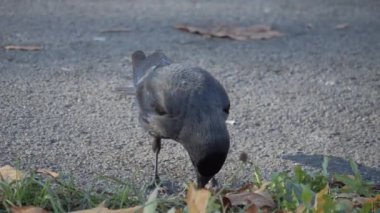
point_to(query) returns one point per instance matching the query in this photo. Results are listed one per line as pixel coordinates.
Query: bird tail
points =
(141, 63)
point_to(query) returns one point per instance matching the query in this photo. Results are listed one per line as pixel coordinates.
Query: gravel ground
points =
(312, 92)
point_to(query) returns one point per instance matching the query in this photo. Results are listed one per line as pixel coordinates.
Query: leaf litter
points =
(252, 197)
(48, 172)
(241, 33)
(9, 174)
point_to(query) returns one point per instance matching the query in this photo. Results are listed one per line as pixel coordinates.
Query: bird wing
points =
(162, 105)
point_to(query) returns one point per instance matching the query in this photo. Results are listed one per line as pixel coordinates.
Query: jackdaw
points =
(185, 104)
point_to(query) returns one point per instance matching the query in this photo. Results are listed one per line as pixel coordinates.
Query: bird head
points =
(208, 166)
(207, 144)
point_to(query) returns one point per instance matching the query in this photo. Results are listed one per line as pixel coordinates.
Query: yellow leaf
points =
(28, 209)
(102, 209)
(320, 200)
(9, 174)
(48, 172)
(197, 199)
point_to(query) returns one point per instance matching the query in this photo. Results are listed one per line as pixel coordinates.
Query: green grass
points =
(59, 195)
(289, 190)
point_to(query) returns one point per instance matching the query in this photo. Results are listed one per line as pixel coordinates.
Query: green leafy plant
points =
(355, 183)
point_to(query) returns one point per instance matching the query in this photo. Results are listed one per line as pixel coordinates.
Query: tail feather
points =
(141, 63)
(138, 59)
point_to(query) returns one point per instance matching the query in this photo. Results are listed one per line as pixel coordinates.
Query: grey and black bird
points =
(185, 104)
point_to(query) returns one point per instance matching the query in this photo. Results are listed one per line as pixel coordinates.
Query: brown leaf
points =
(342, 26)
(48, 172)
(28, 209)
(102, 209)
(197, 199)
(260, 199)
(23, 47)
(191, 29)
(116, 30)
(252, 209)
(9, 174)
(360, 201)
(237, 33)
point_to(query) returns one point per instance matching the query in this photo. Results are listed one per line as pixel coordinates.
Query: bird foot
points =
(214, 182)
(156, 182)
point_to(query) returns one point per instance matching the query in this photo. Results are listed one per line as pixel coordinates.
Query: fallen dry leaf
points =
(252, 209)
(23, 47)
(260, 199)
(233, 32)
(342, 26)
(9, 174)
(102, 209)
(320, 199)
(116, 30)
(48, 172)
(374, 201)
(197, 199)
(28, 209)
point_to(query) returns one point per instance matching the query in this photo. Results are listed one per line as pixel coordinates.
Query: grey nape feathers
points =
(185, 104)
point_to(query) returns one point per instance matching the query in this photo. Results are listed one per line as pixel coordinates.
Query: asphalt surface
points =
(312, 92)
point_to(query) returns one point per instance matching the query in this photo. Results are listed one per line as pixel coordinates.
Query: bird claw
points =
(156, 182)
(214, 182)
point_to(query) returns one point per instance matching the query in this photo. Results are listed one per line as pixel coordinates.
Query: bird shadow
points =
(336, 165)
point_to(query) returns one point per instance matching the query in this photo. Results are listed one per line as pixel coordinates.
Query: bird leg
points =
(156, 145)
